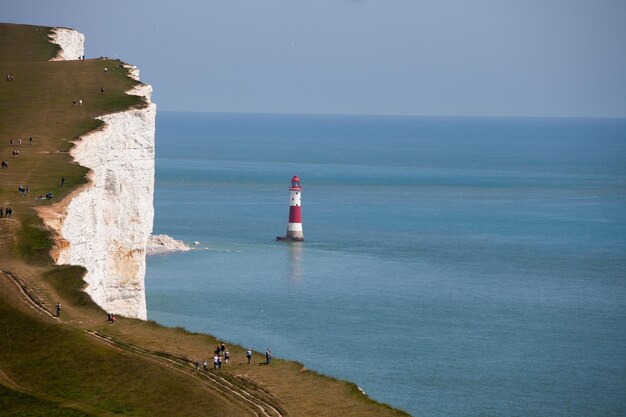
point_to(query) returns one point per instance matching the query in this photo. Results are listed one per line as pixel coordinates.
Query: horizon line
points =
(443, 116)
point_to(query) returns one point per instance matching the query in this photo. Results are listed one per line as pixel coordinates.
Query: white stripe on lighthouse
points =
(295, 198)
(294, 227)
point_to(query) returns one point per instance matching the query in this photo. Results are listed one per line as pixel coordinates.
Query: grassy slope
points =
(65, 366)
(13, 403)
(57, 365)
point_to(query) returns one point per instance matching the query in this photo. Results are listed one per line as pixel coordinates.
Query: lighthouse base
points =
(289, 239)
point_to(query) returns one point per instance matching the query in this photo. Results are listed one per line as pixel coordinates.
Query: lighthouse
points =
(294, 227)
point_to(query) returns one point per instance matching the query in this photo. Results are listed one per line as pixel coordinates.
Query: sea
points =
(451, 266)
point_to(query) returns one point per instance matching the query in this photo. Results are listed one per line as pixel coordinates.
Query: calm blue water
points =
(452, 266)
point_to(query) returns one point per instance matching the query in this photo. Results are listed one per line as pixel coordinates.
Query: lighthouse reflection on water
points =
(295, 261)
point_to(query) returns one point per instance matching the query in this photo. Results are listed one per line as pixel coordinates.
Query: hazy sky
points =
(422, 57)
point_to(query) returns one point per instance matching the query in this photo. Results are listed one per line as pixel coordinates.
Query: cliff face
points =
(106, 225)
(72, 44)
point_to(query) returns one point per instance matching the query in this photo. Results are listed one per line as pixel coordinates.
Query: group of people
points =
(221, 356)
(8, 212)
(14, 152)
(10, 77)
(80, 103)
(46, 196)
(23, 191)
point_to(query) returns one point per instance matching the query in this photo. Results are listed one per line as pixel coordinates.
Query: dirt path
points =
(259, 406)
(30, 298)
(231, 387)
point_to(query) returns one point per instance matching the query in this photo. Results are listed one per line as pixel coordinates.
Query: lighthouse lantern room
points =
(294, 227)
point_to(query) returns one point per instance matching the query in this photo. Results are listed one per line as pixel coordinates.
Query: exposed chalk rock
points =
(109, 223)
(144, 90)
(72, 44)
(162, 244)
(133, 71)
(105, 226)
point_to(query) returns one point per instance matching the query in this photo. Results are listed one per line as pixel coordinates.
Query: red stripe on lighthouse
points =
(294, 214)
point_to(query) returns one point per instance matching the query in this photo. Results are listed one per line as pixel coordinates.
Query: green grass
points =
(25, 43)
(17, 404)
(33, 242)
(68, 282)
(67, 365)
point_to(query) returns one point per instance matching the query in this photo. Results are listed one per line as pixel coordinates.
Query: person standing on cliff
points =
(58, 309)
(249, 355)
(102, 91)
(268, 356)
(62, 181)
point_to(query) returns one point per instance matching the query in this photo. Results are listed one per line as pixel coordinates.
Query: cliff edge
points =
(71, 42)
(105, 225)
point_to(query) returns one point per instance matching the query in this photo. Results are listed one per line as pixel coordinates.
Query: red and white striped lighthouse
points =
(294, 227)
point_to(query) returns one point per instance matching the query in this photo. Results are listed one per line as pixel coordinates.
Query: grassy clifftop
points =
(78, 364)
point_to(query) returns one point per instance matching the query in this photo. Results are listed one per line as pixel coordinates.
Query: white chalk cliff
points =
(105, 226)
(72, 44)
